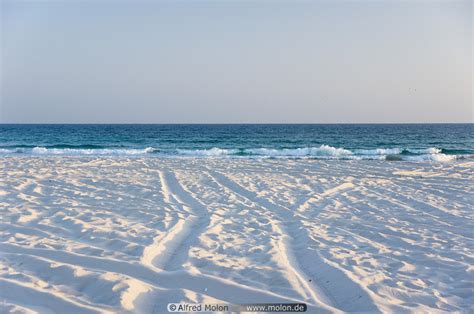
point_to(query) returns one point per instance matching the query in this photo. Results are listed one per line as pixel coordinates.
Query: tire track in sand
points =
(170, 250)
(218, 288)
(322, 295)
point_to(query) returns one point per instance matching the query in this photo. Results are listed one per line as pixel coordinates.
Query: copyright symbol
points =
(171, 307)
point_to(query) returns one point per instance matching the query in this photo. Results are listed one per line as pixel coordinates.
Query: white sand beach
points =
(89, 235)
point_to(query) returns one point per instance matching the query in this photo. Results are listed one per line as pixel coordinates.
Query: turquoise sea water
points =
(416, 142)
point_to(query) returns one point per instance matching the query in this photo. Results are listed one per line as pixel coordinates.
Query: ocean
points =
(392, 142)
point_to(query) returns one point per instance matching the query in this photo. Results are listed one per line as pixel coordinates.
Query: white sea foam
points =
(105, 151)
(322, 151)
(432, 157)
(40, 150)
(208, 152)
(431, 150)
(378, 151)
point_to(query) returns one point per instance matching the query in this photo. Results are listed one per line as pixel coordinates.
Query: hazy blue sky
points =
(236, 61)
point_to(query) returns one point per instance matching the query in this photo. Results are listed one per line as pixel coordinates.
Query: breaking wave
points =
(432, 154)
(207, 152)
(328, 152)
(322, 151)
(77, 152)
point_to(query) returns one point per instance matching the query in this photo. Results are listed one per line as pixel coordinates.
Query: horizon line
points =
(224, 123)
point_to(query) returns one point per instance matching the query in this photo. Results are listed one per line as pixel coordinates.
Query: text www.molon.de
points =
(253, 307)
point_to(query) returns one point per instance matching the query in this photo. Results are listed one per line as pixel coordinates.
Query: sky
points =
(236, 61)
